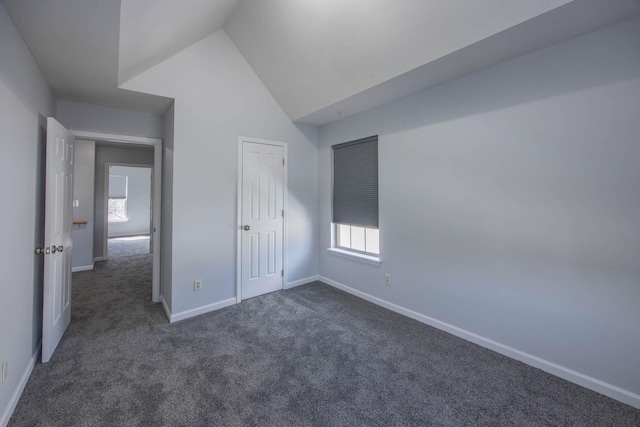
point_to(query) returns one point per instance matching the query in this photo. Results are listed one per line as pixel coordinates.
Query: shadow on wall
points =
(568, 67)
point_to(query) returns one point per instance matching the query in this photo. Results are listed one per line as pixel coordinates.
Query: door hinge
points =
(283, 161)
(282, 273)
(282, 212)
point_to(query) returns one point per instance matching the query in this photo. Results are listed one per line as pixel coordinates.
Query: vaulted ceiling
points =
(320, 59)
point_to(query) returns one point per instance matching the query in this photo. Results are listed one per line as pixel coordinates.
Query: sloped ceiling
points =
(320, 59)
(75, 43)
(154, 30)
(85, 48)
(326, 59)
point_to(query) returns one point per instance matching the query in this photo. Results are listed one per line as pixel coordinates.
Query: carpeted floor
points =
(309, 356)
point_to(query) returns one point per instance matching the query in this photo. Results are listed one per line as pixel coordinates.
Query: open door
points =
(57, 237)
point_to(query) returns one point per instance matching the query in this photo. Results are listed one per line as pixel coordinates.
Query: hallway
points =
(110, 315)
(117, 292)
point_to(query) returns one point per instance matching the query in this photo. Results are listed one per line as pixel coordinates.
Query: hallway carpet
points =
(309, 356)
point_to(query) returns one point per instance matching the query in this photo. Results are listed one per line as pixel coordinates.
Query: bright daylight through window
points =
(117, 209)
(355, 196)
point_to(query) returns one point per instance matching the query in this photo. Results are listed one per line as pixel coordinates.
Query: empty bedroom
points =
(320, 213)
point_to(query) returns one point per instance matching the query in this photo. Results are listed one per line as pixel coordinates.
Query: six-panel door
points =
(262, 218)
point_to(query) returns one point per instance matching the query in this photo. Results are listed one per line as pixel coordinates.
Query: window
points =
(355, 196)
(361, 239)
(117, 209)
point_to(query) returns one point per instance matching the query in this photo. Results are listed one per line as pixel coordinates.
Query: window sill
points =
(118, 220)
(367, 259)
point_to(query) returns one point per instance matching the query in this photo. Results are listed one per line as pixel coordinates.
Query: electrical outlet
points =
(197, 284)
(387, 279)
(5, 370)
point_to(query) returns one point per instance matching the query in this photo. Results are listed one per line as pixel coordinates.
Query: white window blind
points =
(117, 187)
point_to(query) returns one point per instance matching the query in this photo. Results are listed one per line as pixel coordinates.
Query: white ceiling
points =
(154, 30)
(320, 59)
(86, 47)
(75, 43)
(345, 47)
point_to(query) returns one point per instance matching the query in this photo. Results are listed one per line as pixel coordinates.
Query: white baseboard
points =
(82, 268)
(15, 397)
(100, 258)
(166, 308)
(201, 310)
(612, 391)
(301, 282)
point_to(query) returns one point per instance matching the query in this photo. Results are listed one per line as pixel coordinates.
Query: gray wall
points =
(509, 204)
(83, 188)
(167, 208)
(96, 118)
(124, 154)
(218, 98)
(138, 202)
(25, 100)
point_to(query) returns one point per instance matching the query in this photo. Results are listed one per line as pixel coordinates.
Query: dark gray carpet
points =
(310, 356)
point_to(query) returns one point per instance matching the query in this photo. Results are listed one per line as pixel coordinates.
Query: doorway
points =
(128, 199)
(262, 198)
(155, 145)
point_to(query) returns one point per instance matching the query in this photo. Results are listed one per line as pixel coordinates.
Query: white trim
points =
(238, 225)
(15, 397)
(355, 256)
(156, 220)
(98, 259)
(285, 201)
(612, 391)
(117, 236)
(110, 137)
(301, 282)
(156, 223)
(166, 308)
(82, 268)
(117, 220)
(201, 310)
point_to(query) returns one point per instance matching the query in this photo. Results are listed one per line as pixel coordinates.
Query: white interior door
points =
(262, 216)
(57, 237)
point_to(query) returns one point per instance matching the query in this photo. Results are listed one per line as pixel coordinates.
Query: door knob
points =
(39, 251)
(247, 228)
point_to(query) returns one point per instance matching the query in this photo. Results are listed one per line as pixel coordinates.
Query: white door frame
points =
(157, 192)
(285, 192)
(105, 228)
